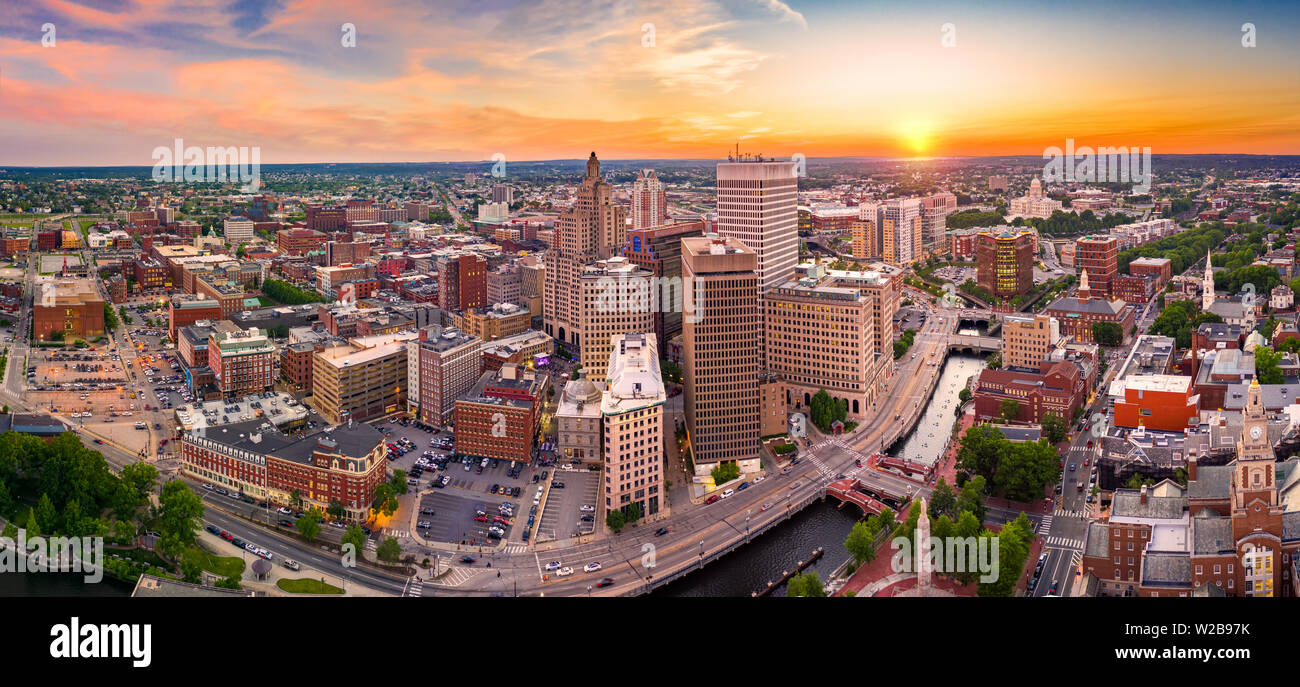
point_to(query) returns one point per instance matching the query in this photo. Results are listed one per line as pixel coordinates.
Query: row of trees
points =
(1182, 250)
(288, 294)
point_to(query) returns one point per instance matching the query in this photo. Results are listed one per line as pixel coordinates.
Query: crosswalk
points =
(1070, 513)
(414, 587)
(516, 548)
(1076, 558)
(1065, 542)
(399, 534)
(371, 545)
(455, 577)
(1045, 526)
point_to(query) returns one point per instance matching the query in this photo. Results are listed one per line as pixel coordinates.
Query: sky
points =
(459, 80)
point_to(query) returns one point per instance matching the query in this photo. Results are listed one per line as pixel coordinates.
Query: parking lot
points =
(563, 514)
(468, 489)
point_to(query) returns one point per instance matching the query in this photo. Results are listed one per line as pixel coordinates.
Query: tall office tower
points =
(592, 229)
(721, 336)
(900, 230)
(934, 215)
(503, 193)
(632, 408)
(758, 204)
(649, 201)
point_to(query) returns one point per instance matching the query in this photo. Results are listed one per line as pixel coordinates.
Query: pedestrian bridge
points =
(965, 343)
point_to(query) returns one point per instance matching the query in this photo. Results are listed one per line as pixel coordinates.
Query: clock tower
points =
(1256, 513)
(1253, 476)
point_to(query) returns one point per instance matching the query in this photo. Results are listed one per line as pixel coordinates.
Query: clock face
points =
(1256, 432)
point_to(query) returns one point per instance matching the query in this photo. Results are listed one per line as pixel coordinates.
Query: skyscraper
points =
(758, 204)
(721, 336)
(649, 201)
(594, 228)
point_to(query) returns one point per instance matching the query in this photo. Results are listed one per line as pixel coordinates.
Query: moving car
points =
(591, 567)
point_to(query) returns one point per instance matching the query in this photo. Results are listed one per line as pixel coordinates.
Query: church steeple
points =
(1084, 291)
(1207, 285)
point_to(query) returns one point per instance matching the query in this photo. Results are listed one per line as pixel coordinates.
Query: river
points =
(751, 567)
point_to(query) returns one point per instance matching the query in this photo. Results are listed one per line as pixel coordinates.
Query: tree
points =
(805, 584)
(191, 566)
(981, 450)
(633, 512)
(821, 411)
(994, 361)
(1054, 427)
(179, 514)
(725, 472)
(46, 515)
(943, 500)
(1009, 408)
(336, 510)
(861, 543)
(33, 526)
(1026, 469)
(389, 550)
(140, 478)
(1266, 366)
(965, 396)
(1107, 333)
(615, 520)
(398, 482)
(355, 536)
(972, 497)
(309, 525)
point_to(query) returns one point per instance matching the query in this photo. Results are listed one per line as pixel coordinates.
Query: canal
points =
(751, 567)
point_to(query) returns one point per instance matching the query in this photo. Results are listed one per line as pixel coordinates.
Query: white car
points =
(591, 567)
(588, 509)
(553, 565)
(250, 548)
(728, 493)
(758, 479)
(564, 572)
(283, 510)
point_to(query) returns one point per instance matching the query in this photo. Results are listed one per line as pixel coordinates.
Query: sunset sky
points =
(464, 79)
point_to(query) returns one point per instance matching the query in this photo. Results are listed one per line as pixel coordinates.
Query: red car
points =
(712, 499)
(481, 518)
(500, 520)
(99, 441)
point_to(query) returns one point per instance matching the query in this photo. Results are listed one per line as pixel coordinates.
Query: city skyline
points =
(685, 81)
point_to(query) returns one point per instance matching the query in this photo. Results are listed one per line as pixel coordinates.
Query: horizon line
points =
(489, 161)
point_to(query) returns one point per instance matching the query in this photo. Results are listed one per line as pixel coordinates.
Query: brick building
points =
(499, 417)
(343, 464)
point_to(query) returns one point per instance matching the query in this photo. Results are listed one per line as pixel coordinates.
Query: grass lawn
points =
(225, 566)
(266, 302)
(307, 586)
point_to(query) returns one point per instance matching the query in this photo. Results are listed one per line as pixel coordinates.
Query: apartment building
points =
(1026, 340)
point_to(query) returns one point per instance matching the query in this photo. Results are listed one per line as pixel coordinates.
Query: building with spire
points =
(1234, 530)
(1078, 313)
(1207, 285)
(593, 229)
